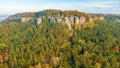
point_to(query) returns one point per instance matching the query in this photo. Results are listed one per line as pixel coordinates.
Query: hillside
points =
(58, 14)
(116, 14)
(60, 44)
(48, 13)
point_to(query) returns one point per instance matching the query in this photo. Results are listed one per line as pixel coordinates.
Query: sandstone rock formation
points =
(67, 20)
(39, 20)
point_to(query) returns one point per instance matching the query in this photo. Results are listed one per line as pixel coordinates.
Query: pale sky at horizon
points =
(88, 6)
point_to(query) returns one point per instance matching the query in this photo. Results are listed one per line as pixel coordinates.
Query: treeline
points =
(59, 13)
(53, 13)
(46, 14)
(51, 45)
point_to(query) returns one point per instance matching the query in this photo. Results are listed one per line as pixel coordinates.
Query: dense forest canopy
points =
(53, 45)
(58, 13)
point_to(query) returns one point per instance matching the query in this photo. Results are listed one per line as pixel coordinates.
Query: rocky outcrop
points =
(23, 19)
(59, 19)
(26, 19)
(101, 18)
(67, 20)
(30, 19)
(76, 20)
(39, 20)
(71, 19)
(82, 20)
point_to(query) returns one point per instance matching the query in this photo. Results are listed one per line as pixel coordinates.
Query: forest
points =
(53, 45)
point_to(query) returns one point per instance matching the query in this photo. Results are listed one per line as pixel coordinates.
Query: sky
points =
(88, 6)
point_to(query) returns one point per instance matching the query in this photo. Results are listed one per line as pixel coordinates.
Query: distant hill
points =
(116, 14)
(46, 13)
(58, 13)
(52, 13)
(26, 14)
(2, 17)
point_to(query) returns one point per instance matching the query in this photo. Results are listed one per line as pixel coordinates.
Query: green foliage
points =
(49, 45)
(59, 13)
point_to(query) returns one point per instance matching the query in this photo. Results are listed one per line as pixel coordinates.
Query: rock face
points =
(23, 19)
(39, 20)
(34, 20)
(26, 19)
(82, 20)
(72, 19)
(59, 20)
(118, 20)
(77, 20)
(101, 18)
(67, 20)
